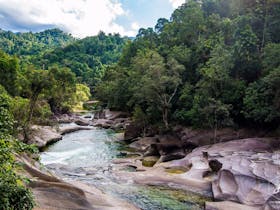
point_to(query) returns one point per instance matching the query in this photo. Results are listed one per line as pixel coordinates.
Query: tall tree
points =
(62, 91)
(39, 80)
(9, 67)
(160, 81)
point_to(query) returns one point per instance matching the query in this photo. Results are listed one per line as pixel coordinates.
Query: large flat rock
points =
(72, 128)
(43, 135)
(250, 172)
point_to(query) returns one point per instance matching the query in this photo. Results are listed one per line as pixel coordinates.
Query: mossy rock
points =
(177, 170)
(150, 161)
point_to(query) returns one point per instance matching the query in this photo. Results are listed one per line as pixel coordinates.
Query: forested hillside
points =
(24, 44)
(87, 57)
(214, 64)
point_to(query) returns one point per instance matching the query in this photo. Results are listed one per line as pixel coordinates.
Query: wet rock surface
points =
(114, 120)
(43, 135)
(149, 161)
(143, 144)
(201, 137)
(249, 169)
(72, 128)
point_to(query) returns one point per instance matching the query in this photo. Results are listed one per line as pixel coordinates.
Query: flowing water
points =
(87, 156)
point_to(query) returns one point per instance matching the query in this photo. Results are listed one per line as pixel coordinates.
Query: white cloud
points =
(135, 26)
(79, 17)
(176, 3)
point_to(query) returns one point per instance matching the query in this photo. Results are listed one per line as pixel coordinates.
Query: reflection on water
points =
(87, 156)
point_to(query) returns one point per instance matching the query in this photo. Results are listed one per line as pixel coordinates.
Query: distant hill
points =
(87, 57)
(29, 43)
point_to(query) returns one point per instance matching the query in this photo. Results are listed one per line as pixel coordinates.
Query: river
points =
(87, 156)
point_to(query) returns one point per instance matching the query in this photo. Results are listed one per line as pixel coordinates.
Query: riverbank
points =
(41, 136)
(53, 193)
(240, 167)
(240, 173)
(50, 191)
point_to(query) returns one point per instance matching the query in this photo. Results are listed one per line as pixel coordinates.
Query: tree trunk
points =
(32, 103)
(215, 127)
(264, 26)
(165, 117)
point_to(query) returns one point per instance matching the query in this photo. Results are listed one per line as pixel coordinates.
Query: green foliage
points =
(271, 57)
(262, 99)
(115, 90)
(246, 52)
(13, 193)
(8, 72)
(87, 58)
(42, 112)
(185, 103)
(25, 44)
(188, 21)
(82, 94)
(62, 89)
(141, 118)
(210, 66)
(13, 197)
(6, 118)
(213, 63)
(159, 81)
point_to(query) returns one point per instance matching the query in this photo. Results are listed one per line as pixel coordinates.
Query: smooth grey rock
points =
(43, 135)
(250, 172)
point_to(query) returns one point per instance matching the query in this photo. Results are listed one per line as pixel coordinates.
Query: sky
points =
(84, 18)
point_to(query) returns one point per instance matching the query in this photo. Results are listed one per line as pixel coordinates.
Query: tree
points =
(223, 47)
(217, 115)
(262, 99)
(160, 81)
(82, 94)
(140, 118)
(184, 104)
(209, 108)
(62, 90)
(115, 90)
(271, 57)
(160, 24)
(188, 21)
(246, 53)
(215, 73)
(6, 118)
(9, 67)
(13, 193)
(39, 80)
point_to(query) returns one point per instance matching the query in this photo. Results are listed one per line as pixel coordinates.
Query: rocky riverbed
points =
(241, 167)
(245, 172)
(89, 157)
(238, 172)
